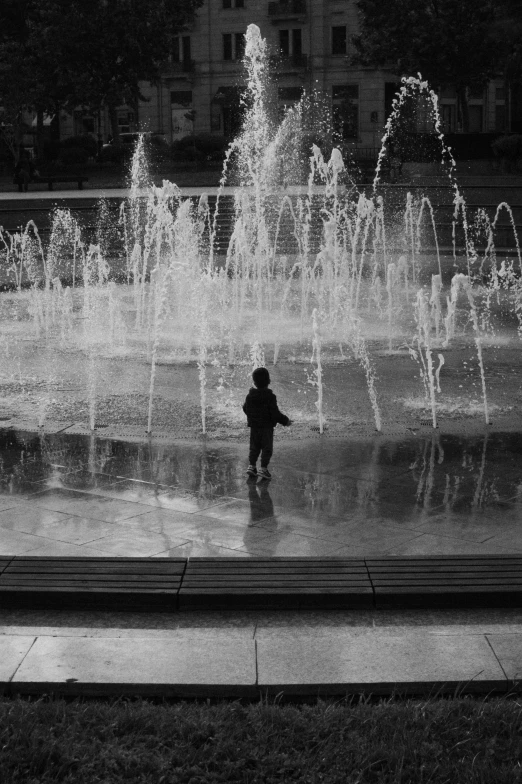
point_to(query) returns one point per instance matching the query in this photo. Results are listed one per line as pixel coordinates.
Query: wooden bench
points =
(170, 584)
(55, 178)
(447, 581)
(84, 583)
(286, 583)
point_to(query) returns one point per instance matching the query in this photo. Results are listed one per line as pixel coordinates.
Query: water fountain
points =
(161, 332)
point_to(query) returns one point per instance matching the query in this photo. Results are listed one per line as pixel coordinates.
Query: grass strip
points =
(448, 740)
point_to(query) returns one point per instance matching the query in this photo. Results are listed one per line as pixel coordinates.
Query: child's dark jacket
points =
(261, 409)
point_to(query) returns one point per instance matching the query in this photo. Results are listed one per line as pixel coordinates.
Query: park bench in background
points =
(55, 178)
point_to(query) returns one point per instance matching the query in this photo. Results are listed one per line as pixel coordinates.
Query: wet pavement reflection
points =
(66, 494)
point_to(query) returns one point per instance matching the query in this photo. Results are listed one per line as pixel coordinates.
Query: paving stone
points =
(12, 651)
(16, 542)
(218, 663)
(334, 662)
(429, 544)
(46, 547)
(30, 519)
(82, 530)
(508, 649)
(136, 543)
(97, 507)
(196, 548)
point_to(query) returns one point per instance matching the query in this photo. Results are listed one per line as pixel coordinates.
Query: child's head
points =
(261, 377)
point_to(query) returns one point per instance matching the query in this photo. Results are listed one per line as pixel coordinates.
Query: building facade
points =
(198, 90)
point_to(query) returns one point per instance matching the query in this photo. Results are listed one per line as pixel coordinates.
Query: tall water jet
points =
(361, 352)
(424, 351)
(318, 371)
(464, 282)
(257, 355)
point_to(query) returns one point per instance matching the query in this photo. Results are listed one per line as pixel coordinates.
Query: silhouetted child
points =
(263, 415)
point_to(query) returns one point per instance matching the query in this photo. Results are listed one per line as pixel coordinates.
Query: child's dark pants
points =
(261, 441)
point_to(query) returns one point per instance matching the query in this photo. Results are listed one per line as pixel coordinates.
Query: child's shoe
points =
(264, 473)
(251, 470)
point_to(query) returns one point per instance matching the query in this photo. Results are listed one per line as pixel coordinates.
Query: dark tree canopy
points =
(450, 42)
(69, 53)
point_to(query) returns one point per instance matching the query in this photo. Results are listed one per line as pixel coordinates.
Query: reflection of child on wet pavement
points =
(263, 415)
(261, 504)
(262, 509)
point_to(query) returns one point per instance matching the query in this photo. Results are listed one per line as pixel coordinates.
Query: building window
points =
(500, 109)
(284, 42)
(181, 98)
(448, 115)
(233, 46)
(83, 122)
(233, 3)
(345, 110)
(291, 42)
(297, 44)
(476, 109)
(339, 40)
(476, 118)
(290, 94)
(390, 94)
(227, 46)
(181, 51)
(239, 40)
(500, 117)
(288, 97)
(126, 121)
(180, 106)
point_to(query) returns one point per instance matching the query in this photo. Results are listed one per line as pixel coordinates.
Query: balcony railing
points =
(290, 62)
(286, 9)
(180, 66)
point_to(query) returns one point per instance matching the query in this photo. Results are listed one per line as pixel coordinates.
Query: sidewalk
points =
(250, 655)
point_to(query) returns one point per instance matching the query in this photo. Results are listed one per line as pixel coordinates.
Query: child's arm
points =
(277, 416)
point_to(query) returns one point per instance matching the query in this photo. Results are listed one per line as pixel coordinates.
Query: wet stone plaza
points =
(428, 494)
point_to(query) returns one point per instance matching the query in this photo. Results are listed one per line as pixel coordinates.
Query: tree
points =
(21, 73)
(507, 31)
(103, 48)
(450, 42)
(85, 53)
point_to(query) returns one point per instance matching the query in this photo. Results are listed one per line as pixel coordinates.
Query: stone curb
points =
(280, 665)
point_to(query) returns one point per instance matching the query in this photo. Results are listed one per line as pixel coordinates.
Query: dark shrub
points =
(508, 147)
(193, 154)
(114, 153)
(51, 149)
(73, 155)
(85, 142)
(210, 143)
(186, 141)
(177, 153)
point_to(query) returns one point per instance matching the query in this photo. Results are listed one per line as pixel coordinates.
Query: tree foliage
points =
(507, 32)
(70, 53)
(450, 42)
